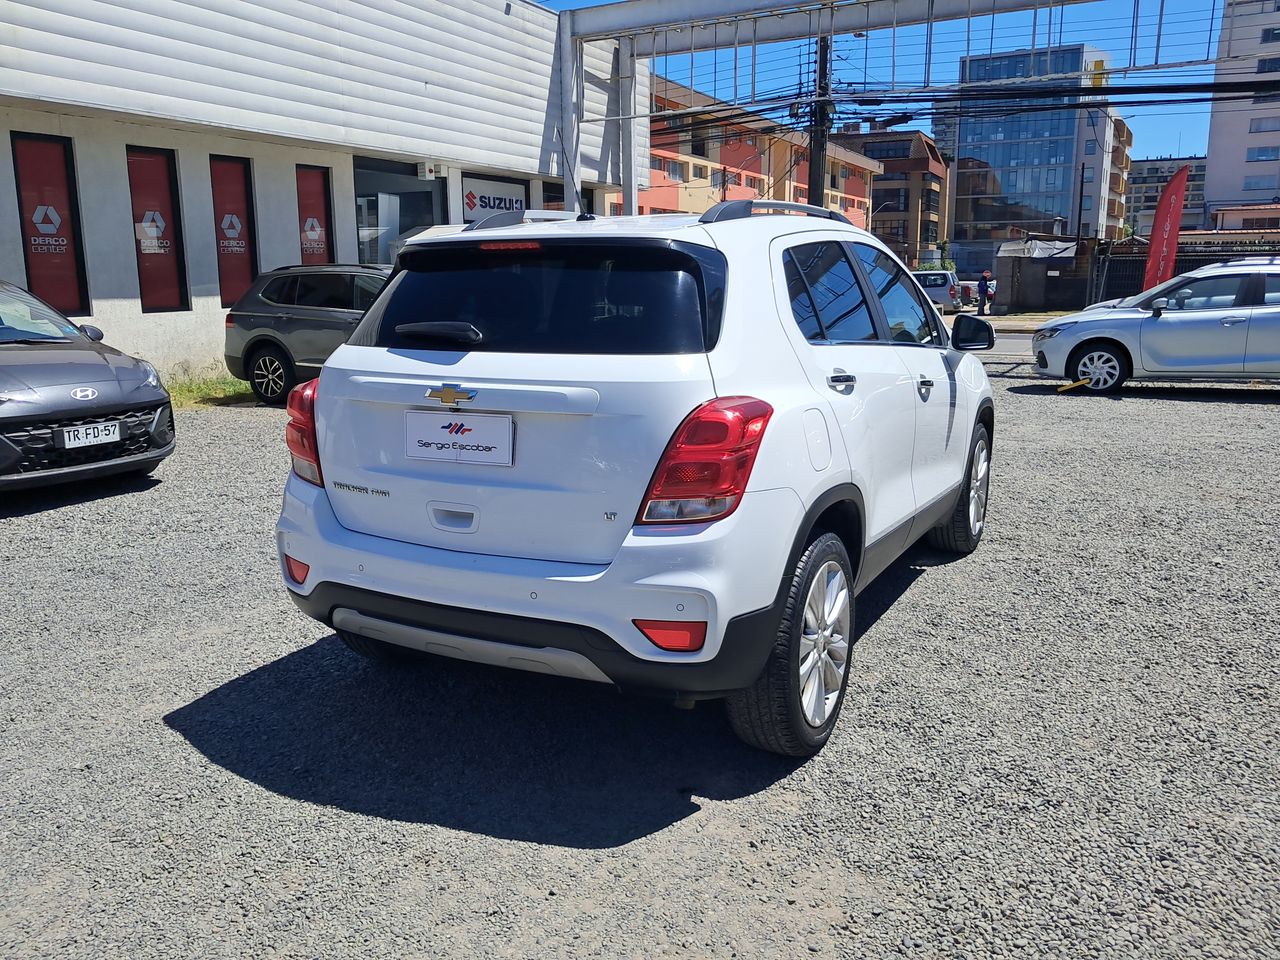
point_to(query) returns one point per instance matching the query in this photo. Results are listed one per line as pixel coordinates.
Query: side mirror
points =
(972, 333)
(92, 332)
(1159, 305)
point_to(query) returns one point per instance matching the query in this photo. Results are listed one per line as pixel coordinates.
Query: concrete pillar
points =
(570, 51)
(627, 125)
(454, 183)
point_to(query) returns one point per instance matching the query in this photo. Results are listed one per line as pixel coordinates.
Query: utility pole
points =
(820, 126)
(1080, 207)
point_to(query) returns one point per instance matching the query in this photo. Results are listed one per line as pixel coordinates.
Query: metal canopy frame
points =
(646, 28)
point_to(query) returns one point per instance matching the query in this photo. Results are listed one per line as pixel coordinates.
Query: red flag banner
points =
(1164, 231)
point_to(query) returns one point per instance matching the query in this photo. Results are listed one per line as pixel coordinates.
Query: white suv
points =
(663, 452)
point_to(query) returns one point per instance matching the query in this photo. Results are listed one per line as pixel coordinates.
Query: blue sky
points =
(1188, 31)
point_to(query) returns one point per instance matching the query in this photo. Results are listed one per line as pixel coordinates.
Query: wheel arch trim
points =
(844, 493)
(261, 340)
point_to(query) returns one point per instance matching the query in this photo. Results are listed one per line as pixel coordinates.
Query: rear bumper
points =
(694, 573)
(538, 645)
(235, 366)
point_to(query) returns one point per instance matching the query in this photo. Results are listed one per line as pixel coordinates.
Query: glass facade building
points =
(1018, 172)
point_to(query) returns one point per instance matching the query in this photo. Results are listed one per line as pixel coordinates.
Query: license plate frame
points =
(478, 438)
(90, 434)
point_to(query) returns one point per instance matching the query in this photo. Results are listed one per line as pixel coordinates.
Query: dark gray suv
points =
(285, 327)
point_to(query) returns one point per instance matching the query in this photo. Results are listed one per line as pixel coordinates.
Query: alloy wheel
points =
(268, 376)
(824, 643)
(979, 483)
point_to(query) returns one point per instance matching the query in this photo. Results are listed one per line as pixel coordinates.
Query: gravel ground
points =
(1064, 745)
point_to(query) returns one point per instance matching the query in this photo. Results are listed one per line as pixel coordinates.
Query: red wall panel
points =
(233, 226)
(157, 230)
(47, 207)
(314, 215)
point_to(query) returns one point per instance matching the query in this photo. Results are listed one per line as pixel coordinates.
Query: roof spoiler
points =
(511, 218)
(741, 209)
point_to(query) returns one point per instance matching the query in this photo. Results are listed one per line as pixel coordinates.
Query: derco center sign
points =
(480, 198)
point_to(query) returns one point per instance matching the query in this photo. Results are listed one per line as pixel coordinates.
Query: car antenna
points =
(582, 203)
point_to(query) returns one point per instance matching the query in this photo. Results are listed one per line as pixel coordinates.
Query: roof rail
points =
(511, 218)
(741, 209)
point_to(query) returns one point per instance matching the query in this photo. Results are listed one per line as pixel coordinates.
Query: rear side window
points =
(332, 291)
(910, 321)
(836, 296)
(802, 310)
(932, 279)
(644, 297)
(1271, 294)
(280, 290)
(367, 288)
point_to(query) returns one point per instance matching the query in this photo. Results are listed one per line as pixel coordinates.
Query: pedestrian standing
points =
(984, 292)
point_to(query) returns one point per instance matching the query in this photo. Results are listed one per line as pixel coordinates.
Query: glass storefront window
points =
(391, 205)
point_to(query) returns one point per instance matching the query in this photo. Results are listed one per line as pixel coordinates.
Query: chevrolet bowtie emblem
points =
(451, 394)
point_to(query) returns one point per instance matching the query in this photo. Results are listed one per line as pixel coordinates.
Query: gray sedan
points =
(1219, 322)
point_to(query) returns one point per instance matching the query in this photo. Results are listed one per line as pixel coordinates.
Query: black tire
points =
(377, 649)
(271, 374)
(1094, 350)
(957, 535)
(768, 714)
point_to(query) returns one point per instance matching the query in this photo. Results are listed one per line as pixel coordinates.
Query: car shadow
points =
(1197, 392)
(885, 590)
(489, 751)
(22, 503)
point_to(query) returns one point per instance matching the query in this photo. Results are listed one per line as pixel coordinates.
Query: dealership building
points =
(158, 163)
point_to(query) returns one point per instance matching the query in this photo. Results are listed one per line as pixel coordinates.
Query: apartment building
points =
(1147, 178)
(1060, 167)
(910, 200)
(1243, 165)
(699, 159)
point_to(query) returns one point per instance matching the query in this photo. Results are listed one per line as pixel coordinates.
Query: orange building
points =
(698, 160)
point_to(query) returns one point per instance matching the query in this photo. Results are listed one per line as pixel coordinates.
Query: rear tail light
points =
(703, 472)
(952, 292)
(297, 569)
(231, 320)
(300, 432)
(677, 636)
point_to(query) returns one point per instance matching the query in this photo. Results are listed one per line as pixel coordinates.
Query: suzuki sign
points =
(481, 198)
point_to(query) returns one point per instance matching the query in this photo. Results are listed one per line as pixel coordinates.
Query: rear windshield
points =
(643, 297)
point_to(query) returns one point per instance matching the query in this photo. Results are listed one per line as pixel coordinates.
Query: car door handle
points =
(842, 380)
(1229, 321)
(926, 383)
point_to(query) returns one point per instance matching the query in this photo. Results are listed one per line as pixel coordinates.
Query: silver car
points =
(284, 328)
(1217, 322)
(943, 288)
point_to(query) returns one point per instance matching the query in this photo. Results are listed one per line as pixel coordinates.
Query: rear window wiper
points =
(452, 330)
